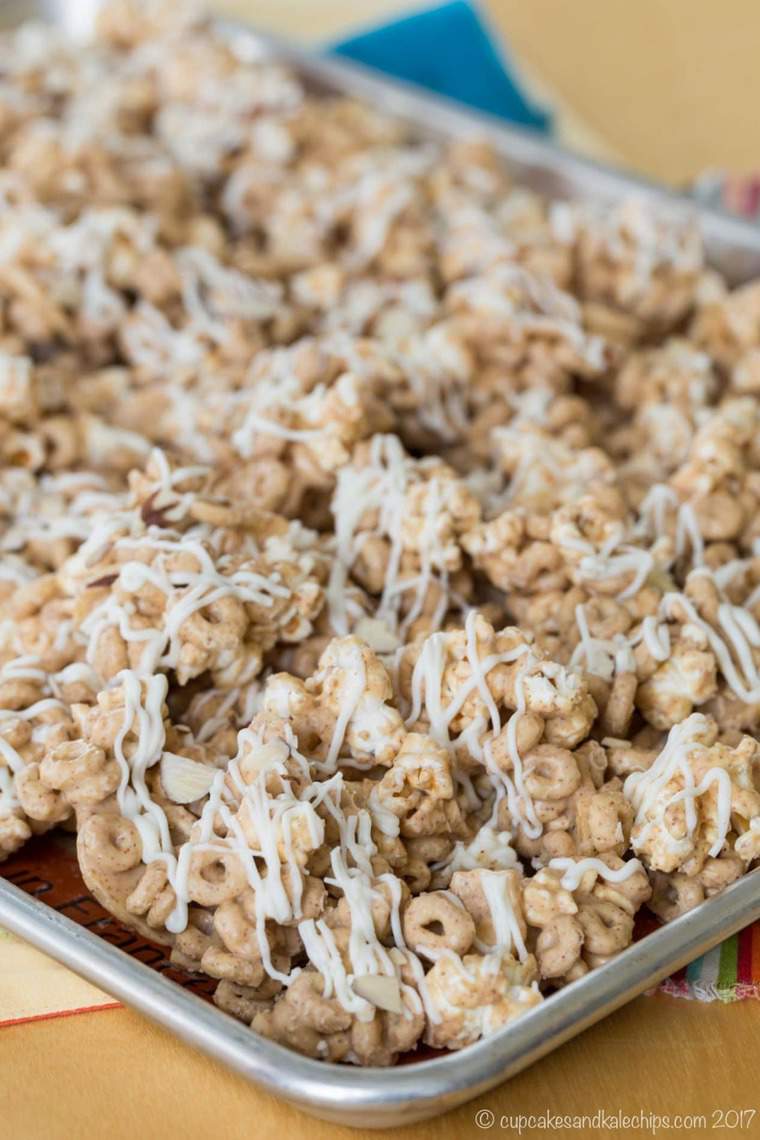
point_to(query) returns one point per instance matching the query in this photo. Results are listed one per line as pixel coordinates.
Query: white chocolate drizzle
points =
(574, 870)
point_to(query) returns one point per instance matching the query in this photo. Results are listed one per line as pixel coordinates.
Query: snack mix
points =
(380, 574)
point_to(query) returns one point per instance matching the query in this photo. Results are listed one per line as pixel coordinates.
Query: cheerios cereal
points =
(380, 543)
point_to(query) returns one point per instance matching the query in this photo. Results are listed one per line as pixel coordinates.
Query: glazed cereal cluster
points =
(380, 578)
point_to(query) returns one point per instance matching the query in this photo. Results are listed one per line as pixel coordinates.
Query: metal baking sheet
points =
(379, 1098)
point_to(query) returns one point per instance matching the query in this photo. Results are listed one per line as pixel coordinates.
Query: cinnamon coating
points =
(379, 548)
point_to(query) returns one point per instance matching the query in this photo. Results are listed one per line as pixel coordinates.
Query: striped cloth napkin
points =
(730, 972)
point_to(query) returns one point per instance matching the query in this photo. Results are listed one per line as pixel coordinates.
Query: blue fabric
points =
(448, 50)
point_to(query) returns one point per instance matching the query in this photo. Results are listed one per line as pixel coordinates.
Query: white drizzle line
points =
(527, 819)
(427, 678)
(186, 592)
(9, 802)
(381, 487)
(273, 819)
(349, 703)
(146, 723)
(653, 519)
(611, 561)
(602, 657)
(509, 937)
(743, 634)
(656, 638)
(575, 869)
(174, 505)
(644, 789)
(255, 424)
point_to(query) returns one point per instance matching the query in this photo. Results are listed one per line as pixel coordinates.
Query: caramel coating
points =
(379, 543)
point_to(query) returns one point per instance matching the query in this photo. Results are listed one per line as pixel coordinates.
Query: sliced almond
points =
(183, 780)
(262, 757)
(376, 634)
(379, 990)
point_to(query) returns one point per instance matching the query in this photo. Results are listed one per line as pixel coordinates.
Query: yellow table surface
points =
(671, 87)
(111, 1074)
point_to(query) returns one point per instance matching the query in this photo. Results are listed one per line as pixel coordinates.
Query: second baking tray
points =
(375, 1097)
